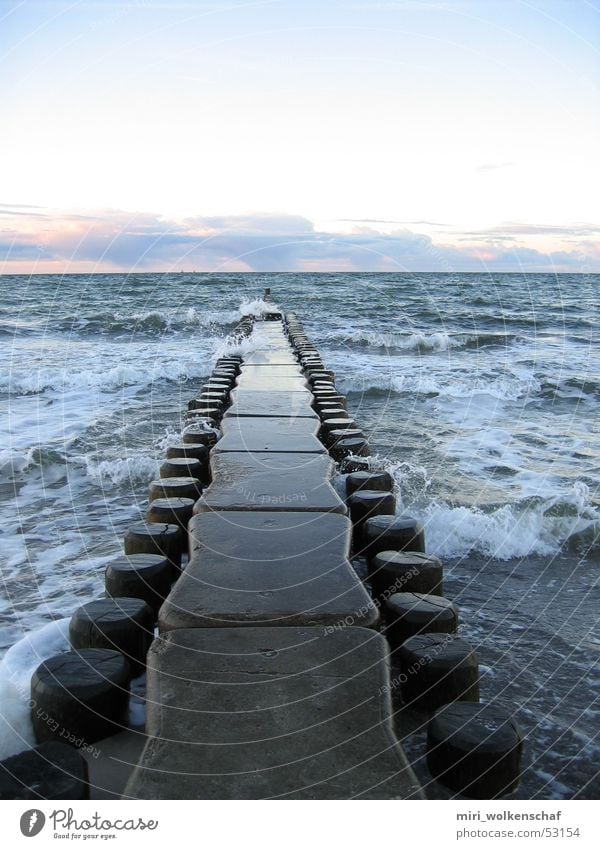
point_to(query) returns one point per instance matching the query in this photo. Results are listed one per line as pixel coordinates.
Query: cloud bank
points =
(37, 240)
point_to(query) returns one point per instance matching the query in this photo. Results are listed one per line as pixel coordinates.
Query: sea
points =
(480, 393)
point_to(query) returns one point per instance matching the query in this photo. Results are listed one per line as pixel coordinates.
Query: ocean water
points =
(481, 393)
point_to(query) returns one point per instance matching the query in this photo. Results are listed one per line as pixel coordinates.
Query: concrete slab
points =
(285, 370)
(269, 383)
(271, 404)
(266, 337)
(260, 325)
(270, 537)
(265, 481)
(268, 567)
(281, 435)
(272, 379)
(262, 713)
(277, 357)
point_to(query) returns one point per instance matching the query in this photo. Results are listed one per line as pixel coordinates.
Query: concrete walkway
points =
(263, 713)
(240, 709)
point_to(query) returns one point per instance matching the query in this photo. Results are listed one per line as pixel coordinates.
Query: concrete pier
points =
(270, 600)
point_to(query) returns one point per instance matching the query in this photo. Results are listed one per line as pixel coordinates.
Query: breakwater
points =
(268, 624)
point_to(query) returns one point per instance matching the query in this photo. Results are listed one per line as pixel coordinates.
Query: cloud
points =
(113, 240)
(389, 221)
(514, 229)
(18, 206)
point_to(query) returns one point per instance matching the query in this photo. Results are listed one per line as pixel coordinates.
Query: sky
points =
(329, 135)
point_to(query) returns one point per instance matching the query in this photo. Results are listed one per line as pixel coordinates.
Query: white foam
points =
(501, 534)
(148, 322)
(103, 376)
(462, 388)
(257, 307)
(202, 424)
(511, 530)
(258, 340)
(138, 467)
(416, 341)
(581, 496)
(16, 669)
(171, 437)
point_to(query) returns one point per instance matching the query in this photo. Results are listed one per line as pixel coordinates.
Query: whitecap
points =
(16, 669)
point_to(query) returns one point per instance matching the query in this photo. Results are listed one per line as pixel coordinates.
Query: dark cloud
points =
(22, 250)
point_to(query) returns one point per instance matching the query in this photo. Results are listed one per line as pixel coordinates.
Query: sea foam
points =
(16, 668)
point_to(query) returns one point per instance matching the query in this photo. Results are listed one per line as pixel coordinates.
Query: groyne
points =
(270, 673)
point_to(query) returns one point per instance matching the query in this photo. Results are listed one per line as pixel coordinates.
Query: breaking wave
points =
(420, 342)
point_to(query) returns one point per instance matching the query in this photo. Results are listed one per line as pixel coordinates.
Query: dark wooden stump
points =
(166, 540)
(475, 749)
(409, 614)
(380, 481)
(437, 669)
(171, 511)
(354, 446)
(175, 488)
(121, 624)
(189, 467)
(405, 571)
(392, 533)
(79, 697)
(144, 576)
(366, 503)
(192, 450)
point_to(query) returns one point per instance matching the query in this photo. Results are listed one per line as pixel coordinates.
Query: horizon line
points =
(298, 273)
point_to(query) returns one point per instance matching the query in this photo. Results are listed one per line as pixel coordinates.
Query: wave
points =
(540, 526)
(584, 539)
(17, 667)
(37, 381)
(505, 388)
(504, 533)
(138, 468)
(15, 463)
(576, 388)
(148, 323)
(40, 459)
(242, 345)
(16, 328)
(420, 342)
(256, 307)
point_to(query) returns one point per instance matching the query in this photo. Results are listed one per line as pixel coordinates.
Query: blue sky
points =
(342, 134)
